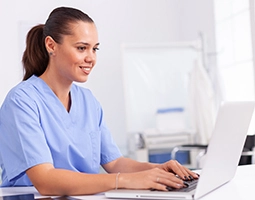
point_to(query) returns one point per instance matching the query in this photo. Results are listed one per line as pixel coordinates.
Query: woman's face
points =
(75, 57)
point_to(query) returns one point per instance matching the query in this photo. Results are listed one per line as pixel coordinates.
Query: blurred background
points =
(162, 65)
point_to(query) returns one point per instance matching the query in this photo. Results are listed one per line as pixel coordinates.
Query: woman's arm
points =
(133, 175)
(51, 181)
(127, 165)
(57, 182)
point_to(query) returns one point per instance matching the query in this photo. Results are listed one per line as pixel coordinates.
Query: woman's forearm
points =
(57, 182)
(127, 165)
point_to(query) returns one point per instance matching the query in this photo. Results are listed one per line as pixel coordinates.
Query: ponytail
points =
(35, 57)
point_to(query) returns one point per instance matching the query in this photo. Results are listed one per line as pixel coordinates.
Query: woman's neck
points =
(59, 87)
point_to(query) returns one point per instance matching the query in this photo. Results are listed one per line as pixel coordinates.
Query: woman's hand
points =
(137, 175)
(176, 168)
(150, 179)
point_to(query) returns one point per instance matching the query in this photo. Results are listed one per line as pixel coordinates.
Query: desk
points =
(240, 188)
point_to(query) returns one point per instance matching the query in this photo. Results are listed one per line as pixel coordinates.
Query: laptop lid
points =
(226, 145)
(222, 157)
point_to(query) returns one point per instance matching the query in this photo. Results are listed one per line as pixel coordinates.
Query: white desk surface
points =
(242, 187)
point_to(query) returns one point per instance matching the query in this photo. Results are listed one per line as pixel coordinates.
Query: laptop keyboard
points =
(192, 186)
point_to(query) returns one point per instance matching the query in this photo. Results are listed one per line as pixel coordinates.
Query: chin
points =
(81, 80)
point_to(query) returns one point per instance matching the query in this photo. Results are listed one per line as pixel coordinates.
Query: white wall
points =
(118, 21)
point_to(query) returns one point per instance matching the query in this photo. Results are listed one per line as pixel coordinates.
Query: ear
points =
(50, 45)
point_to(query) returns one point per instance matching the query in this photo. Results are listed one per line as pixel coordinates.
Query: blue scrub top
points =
(36, 128)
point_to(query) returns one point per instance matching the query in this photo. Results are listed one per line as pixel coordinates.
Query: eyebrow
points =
(86, 44)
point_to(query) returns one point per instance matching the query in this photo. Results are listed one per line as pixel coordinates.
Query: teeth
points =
(86, 68)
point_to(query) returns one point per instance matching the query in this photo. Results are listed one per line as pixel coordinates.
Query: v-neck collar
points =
(53, 97)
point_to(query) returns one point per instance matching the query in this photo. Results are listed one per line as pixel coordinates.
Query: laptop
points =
(223, 154)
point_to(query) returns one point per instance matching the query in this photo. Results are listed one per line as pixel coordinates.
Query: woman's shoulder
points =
(26, 90)
(24, 87)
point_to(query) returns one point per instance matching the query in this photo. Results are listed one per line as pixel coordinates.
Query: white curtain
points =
(202, 104)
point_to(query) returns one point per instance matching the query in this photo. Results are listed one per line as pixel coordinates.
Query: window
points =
(234, 49)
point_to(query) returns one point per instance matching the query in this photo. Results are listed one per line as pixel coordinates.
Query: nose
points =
(90, 57)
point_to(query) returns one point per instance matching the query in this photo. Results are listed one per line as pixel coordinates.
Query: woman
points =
(52, 132)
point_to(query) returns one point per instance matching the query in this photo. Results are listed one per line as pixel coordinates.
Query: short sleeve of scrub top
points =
(35, 128)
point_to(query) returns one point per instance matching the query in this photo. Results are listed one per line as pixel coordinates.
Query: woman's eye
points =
(96, 49)
(81, 48)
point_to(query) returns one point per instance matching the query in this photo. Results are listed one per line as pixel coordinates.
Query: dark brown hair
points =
(35, 57)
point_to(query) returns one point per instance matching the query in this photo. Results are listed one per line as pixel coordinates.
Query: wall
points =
(118, 22)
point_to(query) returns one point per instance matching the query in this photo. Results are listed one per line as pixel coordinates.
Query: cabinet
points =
(156, 146)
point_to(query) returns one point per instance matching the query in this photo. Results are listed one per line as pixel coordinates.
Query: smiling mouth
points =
(86, 69)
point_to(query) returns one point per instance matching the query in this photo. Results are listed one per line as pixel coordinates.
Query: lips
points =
(86, 70)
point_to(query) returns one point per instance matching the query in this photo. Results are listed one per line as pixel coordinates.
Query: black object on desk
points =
(18, 197)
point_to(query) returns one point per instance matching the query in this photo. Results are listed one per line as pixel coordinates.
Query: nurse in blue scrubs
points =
(52, 132)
